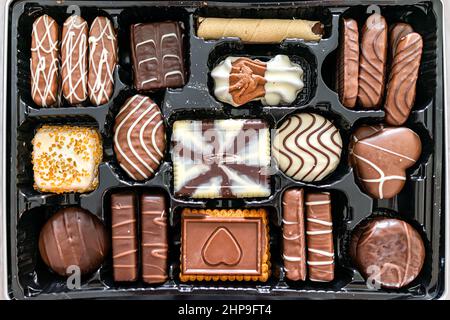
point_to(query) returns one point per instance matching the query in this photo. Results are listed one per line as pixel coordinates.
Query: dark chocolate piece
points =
(319, 237)
(294, 255)
(74, 59)
(224, 245)
(44, 61)
(157, 54)
(154, 238)
(389, 251)
(401, 87)
(124, 236)
(348, 63)
(139, 137)
(372, 61)
(396, 32)
(382, 158)
(73, 237)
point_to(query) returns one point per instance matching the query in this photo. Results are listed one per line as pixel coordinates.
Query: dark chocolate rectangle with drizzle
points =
(124, 236)
(157, 54)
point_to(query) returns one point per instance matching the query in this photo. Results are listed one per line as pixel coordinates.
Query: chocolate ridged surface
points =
(319, 237)
(74, 59)
(401, 88)
(349, 63)
(294, 256)
(381, 159)
(372, 62)
(73, 237)
(396, 32)
(307, 147)
(102, 60)
(154, 238)
(124, 236)
(139, 137)
(44, 61)
(157, 54)
(389, 251)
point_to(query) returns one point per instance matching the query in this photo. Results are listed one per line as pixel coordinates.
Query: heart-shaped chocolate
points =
(381, 159)
(221, 248)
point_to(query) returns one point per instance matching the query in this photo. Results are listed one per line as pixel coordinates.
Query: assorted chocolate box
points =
(168, 149)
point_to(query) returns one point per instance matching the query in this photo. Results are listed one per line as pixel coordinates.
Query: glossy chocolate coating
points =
(389, 251)
(247, 80)
(380, 160)
(73, 237)
(124, 236)
(157, 54)
(396, 32)
(294, 255)
(154, 238)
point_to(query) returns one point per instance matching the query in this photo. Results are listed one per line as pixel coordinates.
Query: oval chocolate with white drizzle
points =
(139, 137)
(381, 159)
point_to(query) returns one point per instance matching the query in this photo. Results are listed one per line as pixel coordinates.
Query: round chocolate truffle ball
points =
(389, 251)
(73, 237)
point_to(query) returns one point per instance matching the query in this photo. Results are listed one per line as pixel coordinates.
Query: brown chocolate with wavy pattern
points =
(396, 32)
(401, 88)
(372, 62)
(348, 63)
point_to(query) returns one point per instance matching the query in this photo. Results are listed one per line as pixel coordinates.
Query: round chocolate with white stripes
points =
(307, 147)
(139, 137)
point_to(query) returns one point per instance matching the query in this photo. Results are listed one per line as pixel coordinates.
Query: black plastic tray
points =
(420, 202)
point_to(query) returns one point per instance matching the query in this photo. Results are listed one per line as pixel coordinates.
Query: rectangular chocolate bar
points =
(319, 237)
(294, 255)
(221, 158)
(224, 245)
(124, 236)
(157, 54)
(154, 238)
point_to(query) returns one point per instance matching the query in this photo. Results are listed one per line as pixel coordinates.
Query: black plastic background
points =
(420, 202)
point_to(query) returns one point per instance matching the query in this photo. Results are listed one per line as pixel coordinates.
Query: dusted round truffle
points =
(73, 236)
(389, 251)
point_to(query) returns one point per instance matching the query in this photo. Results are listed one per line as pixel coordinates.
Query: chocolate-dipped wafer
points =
(154, 238)
(44, 61)
(124, 236)
(401, 87)
(294, 255)
(102, 60)
(396, 32)
(319, 237)
(74, 59)
(349, 63)
(372, 62)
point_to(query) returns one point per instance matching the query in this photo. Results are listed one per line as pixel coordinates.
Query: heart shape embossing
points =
(221, 248)
(380, 159)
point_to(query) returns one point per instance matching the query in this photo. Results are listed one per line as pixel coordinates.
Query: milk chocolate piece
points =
(74, 59)
(396, 32)
(401, 87)
(139, 137)
(246, 80)
(73, 237)
(44, 61)
(348, 63)
(157, 54)
(102, 60)
(319, 237)
(124, 236)
(389, 251)
(154, 238)
(372, 61)
(294, 255)
(224, 245)
(382, 158)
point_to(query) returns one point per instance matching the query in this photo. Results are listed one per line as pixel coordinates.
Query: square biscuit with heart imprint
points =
(224, 245)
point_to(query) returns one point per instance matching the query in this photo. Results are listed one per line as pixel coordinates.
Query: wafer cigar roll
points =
(259, 30)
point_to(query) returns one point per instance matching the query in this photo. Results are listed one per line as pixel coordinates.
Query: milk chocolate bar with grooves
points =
(319, 237)
(396, 32)
(157, 54)
(124, 236)
(154, 238)
(294, 255)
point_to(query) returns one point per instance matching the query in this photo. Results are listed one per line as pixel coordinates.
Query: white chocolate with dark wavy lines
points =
(139, 137)
(307, 147)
